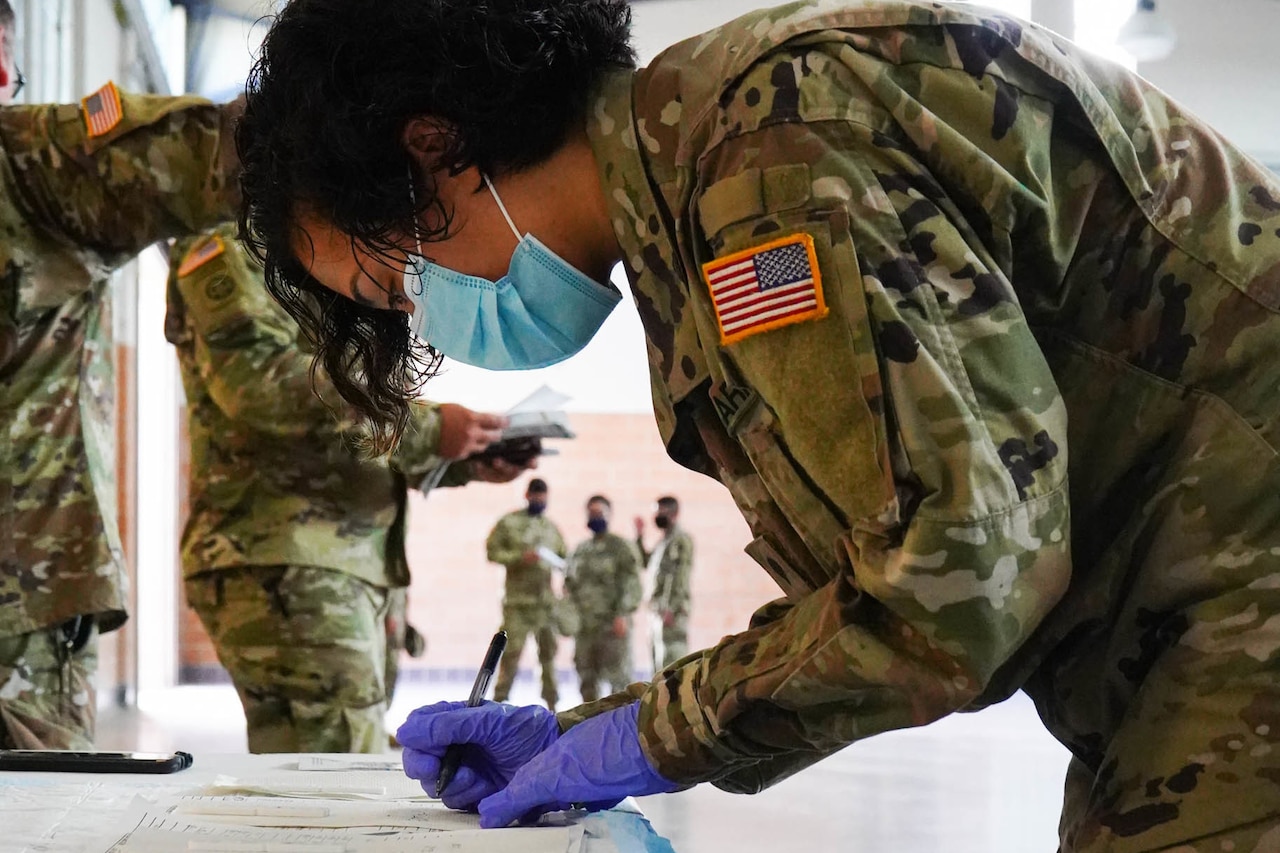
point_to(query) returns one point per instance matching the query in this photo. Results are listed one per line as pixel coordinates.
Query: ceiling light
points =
(1147, 36)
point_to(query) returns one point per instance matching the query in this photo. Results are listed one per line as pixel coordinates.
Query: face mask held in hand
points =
(541, 312)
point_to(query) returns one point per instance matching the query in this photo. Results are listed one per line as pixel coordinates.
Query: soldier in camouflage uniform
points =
(603, 582)
(672, 589)
(85, 188)
(293, 553)
(1008, 422)
(526, 604)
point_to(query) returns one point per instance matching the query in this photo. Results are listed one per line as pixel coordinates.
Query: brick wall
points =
(456, 594)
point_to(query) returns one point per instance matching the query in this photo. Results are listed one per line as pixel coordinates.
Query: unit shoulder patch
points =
(201, 254)
(765, 287)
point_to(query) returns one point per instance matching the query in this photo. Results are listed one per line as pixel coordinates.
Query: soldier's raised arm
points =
(119, 171)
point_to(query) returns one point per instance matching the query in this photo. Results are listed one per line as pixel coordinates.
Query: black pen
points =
(453, 755)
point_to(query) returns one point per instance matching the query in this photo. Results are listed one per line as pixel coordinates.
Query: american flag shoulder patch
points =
(766, 287)
(102, 110)
(201, 255)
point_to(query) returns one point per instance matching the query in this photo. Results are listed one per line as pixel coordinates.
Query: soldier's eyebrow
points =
(358, 297)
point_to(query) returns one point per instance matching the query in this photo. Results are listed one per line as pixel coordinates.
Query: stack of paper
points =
(359, 805)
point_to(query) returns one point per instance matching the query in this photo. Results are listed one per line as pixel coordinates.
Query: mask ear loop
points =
(421, 286)
(507, 216)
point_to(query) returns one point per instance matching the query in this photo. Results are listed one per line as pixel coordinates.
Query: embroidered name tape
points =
(766, 287)
(102, 110)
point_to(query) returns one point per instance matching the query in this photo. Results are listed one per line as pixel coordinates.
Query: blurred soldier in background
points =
(294, 552)
(672, 564)
(85, 188)
(603, 581)
(521, 541)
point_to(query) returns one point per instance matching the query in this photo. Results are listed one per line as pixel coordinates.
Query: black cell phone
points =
(70, 761)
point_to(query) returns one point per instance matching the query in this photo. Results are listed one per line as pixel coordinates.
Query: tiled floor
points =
(987, 783)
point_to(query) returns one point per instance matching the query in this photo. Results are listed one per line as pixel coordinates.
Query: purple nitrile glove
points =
(597, 762)
(500, 740)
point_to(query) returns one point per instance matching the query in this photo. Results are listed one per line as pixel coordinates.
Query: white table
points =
(64, 812)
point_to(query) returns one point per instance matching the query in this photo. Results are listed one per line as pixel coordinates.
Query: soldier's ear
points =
(7, 58)
(427, 139)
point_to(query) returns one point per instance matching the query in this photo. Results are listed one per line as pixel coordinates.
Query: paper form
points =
(43, 816)
(152, 830)
(335, 785)
(317, 813)
(551, 558)
(333, 763)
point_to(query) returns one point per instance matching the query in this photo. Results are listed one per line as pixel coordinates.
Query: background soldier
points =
(85, 188)
(672, 564)
(603, 581)
(526, 605)
(294, 550)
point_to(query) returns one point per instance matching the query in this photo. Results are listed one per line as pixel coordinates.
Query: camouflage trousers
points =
(519, 621)
(401, 636)
(307, 651)
(600, 655)
(47, 698)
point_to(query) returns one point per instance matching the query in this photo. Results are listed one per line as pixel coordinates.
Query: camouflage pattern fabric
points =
(672, 592)
(519, 621)
(603, 582)
(47, 696)
(306, 649)
(1010, 235)
(396, 627)
(528, 600)
(73, 209)
(278, 477)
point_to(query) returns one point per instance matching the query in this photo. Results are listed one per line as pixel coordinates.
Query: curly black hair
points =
(328, 100)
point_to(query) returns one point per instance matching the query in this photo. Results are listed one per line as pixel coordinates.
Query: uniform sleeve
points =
(502, 546)
(913, 423)
(165, 169)
(246, 348)
(571, 575)
(630, 589)
(415, 456)
(560, 547)
(680, 558)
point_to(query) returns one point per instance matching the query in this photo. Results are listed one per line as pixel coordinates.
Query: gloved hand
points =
(597, 763)
(500, 738)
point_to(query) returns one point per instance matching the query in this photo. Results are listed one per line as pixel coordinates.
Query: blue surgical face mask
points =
(541, 312)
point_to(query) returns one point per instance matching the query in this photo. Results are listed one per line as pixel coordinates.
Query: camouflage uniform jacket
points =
(671, 582)
(603, 579)
(1007, 232)
(76, 207)
(277, 477)
(515, 533)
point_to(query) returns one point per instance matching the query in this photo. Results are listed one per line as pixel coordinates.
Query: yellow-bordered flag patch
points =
(765, 287)
(102, 110)
(201, 255)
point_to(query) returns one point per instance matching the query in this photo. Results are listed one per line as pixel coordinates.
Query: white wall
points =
(1224, 68)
